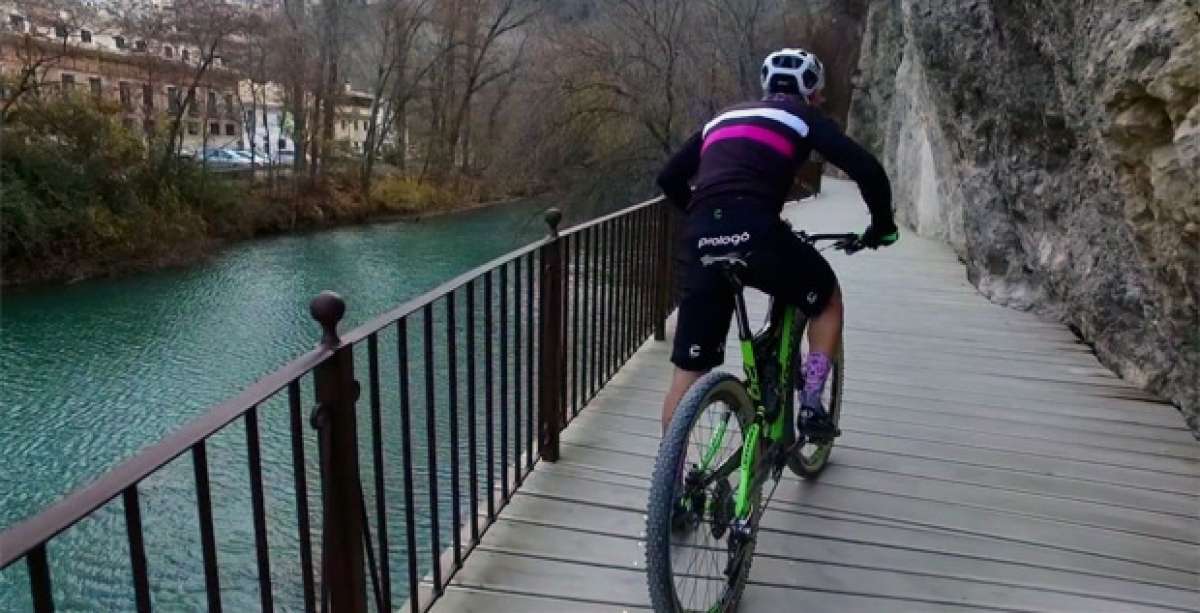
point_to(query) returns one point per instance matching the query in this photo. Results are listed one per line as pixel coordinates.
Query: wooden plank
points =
(921, 512)
(469, 600)
(792, 561)
(861, 459)
(840, 528)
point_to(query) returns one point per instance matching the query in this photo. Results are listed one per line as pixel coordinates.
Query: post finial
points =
(553, 218)
(328, 308)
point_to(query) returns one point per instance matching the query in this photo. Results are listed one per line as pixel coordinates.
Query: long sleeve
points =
(858, 163)
(679, 170)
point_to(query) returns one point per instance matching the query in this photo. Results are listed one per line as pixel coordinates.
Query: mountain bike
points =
(728, 436)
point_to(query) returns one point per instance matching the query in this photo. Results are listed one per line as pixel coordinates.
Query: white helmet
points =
(792, 71)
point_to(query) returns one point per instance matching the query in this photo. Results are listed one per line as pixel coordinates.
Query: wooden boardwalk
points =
(988, 462)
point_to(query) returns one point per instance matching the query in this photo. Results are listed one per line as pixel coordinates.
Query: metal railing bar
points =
(610, 278)
(488, 397)
(39, 579)
(452, 404)
(576, 242)
(262, 555)
(564, 345)
(301, 481)
(208, 541)
(377, 466)
(582, 284)
(517, 381)
(505, 405)
(472, 435)
(435, 537)
(410, 524)
(531, 306)
(18, 540)
(137, 549)
(594, 350)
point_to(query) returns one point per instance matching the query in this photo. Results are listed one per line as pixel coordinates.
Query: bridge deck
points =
(988, 462)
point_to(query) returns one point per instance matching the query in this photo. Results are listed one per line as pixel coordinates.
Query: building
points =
(353, 118)
(148, 80)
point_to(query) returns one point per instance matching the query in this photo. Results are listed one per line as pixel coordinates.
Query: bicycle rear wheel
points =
(693, 560)
(810, 459)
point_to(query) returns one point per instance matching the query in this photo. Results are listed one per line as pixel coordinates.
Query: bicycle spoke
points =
(714, 451)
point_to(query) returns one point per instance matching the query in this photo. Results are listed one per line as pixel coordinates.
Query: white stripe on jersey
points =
(780, 116)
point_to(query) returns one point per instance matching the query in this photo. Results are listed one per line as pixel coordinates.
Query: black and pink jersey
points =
(754, 150)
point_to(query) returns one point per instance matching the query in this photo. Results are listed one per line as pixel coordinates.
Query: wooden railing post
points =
(550, 333)
(663, 272)
(342, 573)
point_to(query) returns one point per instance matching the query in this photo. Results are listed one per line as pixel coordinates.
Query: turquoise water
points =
(91, 373)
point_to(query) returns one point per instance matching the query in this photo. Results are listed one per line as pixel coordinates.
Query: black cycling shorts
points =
(779, 264)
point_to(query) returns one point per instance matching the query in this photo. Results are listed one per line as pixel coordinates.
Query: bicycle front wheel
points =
(697, 559)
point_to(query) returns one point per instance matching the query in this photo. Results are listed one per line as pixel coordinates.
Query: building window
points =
(282, 144)
(140, 45)
(169, 51)
(229, 103)
(173, 99)
(96, 86)
(186, 55)
(126, 96)
(68, 81)
(17, 22)
(85, 36)
(119, 41)
(61, 31)
(193, 128)
(214, 129)
(212, 103)
(147, 97)
(231, 129)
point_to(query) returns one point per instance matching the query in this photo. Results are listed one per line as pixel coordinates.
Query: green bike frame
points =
(778, 427)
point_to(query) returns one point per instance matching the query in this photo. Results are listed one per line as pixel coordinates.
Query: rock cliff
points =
(1056, 145)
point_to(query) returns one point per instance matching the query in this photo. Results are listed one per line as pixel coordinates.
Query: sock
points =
(816, 371)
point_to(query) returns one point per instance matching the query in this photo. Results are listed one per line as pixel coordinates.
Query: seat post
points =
(743, 319)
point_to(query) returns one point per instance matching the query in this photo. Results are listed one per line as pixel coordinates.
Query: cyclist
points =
(743, 163)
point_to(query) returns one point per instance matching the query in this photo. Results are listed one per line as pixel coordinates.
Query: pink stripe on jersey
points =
(755, 133)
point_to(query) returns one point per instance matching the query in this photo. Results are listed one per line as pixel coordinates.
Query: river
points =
(92, 372)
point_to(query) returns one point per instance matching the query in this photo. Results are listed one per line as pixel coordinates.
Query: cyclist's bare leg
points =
(680, 382)
(825, 330)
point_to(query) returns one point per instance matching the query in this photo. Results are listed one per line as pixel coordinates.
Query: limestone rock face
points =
(1056, 145)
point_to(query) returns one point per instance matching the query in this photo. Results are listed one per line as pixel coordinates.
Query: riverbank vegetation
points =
(470, 101)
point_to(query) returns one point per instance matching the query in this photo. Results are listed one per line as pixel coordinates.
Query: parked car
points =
(259, 159)
(223, 159)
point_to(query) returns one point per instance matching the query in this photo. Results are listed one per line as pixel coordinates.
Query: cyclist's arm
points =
(858, 163)
(675, 176)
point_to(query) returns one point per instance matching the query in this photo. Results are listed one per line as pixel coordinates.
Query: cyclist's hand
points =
(880, 235)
